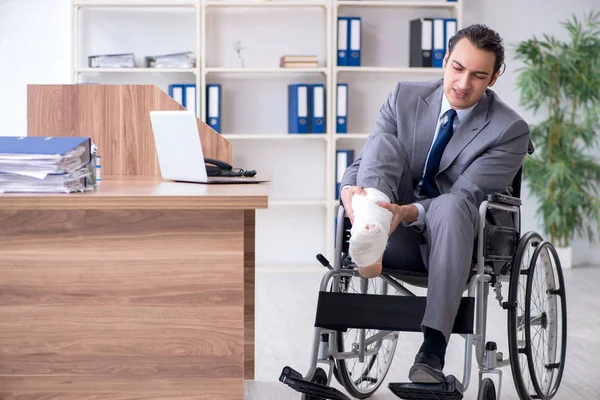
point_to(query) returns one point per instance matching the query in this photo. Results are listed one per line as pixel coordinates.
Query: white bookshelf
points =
(265, 3)
(135, 3)
(369, 85)
(258, 136)
(424, 4)
(432, 72)
(342, 136)
(138, 70)
(265, 70)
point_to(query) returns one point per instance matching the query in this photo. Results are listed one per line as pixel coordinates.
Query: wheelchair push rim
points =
(537, 323)
(361, 380)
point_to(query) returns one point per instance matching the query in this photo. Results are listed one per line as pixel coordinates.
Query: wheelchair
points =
(357, 319)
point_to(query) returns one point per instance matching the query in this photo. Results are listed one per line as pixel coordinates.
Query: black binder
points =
(421, 42)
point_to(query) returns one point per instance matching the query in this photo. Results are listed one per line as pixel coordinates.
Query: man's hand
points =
(408, 213)
(346, 197)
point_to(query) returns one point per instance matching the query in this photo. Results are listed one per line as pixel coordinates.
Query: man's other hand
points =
(408, 213)
(346, 197)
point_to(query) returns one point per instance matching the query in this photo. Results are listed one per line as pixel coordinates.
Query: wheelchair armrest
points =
(504, 199)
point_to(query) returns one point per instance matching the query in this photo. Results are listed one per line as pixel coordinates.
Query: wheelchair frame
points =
(482, 276)
(488, 360)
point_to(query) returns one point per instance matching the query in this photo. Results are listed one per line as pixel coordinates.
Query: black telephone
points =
(221, 168)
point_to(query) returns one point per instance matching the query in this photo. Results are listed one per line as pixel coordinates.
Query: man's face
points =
(467, 74)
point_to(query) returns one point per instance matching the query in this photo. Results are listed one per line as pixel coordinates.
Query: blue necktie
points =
(428, 187)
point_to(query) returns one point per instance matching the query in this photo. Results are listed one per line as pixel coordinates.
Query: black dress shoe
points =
(426, 369)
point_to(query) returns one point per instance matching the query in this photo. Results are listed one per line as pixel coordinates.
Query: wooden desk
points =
(141, 289)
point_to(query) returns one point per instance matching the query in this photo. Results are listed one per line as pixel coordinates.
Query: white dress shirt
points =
(461, 115)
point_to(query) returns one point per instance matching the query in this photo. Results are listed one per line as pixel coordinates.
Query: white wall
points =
(35, 48)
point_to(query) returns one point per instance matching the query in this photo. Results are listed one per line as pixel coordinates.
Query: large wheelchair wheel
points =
(362, 379)
(537, 319)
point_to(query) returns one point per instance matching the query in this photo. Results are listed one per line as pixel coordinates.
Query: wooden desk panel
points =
(116, 118)
(123, 193)
(123, 303)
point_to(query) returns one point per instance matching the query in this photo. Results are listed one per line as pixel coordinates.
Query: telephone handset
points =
(221, 168)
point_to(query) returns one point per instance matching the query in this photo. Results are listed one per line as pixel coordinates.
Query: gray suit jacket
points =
(482, 157)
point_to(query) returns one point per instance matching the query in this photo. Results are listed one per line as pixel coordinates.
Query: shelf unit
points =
(78, 5)
(264, 70)
(259, 136)
(329, 73)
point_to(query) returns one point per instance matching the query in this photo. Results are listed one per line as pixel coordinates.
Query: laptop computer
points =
(180, 155)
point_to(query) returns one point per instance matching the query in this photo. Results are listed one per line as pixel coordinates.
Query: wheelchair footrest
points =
(295, 381)
(450, 389)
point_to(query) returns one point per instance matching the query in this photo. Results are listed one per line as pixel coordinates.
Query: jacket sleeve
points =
(381, 146)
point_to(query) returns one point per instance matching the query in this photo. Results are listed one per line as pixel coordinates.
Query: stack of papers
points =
(112, 61)
(46, 164)
(176, 60)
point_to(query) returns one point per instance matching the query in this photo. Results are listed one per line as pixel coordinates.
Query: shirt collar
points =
(461, 114)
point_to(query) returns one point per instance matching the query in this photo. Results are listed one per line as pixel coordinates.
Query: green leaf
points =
(562, 80)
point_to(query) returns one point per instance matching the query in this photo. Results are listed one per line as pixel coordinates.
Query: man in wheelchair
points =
(437, 149)
(433, 201)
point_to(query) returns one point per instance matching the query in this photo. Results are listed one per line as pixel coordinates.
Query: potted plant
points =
(560, 80)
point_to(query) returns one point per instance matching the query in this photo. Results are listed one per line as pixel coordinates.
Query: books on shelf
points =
(126, 60)
(46, 164)
(349, 30)
(429, 40)
(175, 60)
(341, 109)
(307, 108)
(298, 61)
(184, 94)
(343, 159)
(213, 106)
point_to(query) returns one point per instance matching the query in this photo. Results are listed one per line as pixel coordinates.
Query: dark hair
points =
(482, 38)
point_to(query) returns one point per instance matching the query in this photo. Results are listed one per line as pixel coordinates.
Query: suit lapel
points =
(426, 117)
(465, 132)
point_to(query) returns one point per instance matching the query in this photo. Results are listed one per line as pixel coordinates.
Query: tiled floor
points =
(285, 310)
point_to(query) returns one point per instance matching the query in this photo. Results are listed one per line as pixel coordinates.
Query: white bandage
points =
(371, 227)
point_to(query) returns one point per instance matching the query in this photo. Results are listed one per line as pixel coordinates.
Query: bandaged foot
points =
(370, 231)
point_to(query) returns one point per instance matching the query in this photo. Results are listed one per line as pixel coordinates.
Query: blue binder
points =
(213, 106)
(343, 159)
(298, 108)
(176, 92)
(189, 97)
(59, 145)
(343, 39)
(45, 146)
(317, 108)
(439, 47)
(354, 41)
(341, 113)
(450, 29)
